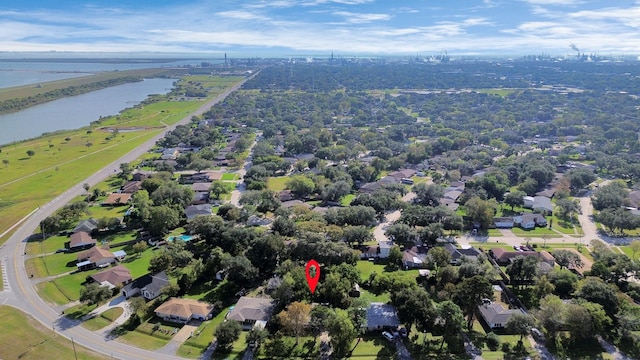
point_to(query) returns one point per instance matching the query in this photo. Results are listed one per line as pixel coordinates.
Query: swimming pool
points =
(184, 238)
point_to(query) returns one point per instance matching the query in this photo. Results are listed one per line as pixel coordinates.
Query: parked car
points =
(388, 335)
(403, 332)
(63, 250)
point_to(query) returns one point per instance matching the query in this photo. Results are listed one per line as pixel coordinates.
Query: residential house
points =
(503, 222)
(255, 220)
(81, 240)
(385, 248)
(542, 203)
(458, 254)
(170, 154)
(201, 186)
(200, 198)
(95, 257)
(285, 195)
(131, 187)
(528, 201)
(140, 175)
(370, 252)
(402, 174)
(371, 187)
(291, 203)
(413, 258)
(529, 221)
(112, 277)
(382, 316)
(117, 199)
(251, 312)
(495, 316)
(183, 310)
(87, 225)
(198, 210)
(504, 257)
(120, 255)
(148, 286)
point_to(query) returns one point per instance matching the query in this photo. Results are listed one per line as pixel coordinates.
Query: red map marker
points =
(312, 280)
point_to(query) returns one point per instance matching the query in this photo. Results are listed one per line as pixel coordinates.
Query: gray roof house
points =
(196, 210)
(86, 225)
(495, 315)
(458, 253)
(148, 286)
(381, 316)
(250, 312)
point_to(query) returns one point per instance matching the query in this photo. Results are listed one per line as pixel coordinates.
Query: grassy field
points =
(537, 232)
(372, 346)
(197, 344)
(22, 337)
(277, 183)
(104, 319)
(27, 182)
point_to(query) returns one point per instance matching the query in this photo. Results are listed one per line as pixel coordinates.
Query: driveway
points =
(401, 350)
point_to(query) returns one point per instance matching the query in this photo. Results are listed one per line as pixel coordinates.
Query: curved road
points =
(18, 289)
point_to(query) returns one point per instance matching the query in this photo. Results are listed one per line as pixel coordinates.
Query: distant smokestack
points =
(574, 47)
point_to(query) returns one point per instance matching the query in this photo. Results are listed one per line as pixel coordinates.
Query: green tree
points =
(30, 152)
(394, 260)
(469, 294)
(300, 186)
(218, 188)
(566, 208)
(520, 324)
(414, 307)
(162, 219)
(428, 194)
(226, 333)
(635, 248)
(140, 247)
(515, 198)
(450, 318)
(550, 315)
(342, 332)
(93, 293)
(356, 235)
(567, 259)
(522, 269)
(481, 211)
(610, 196)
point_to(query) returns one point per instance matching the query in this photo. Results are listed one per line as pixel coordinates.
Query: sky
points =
(344, 27)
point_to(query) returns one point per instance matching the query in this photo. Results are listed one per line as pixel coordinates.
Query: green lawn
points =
(199, 342)
(104, 319)
(347, 199)
(373, 346)
(627, 251)
(229, 177)
(537, 232)
(50, 293)
(138, 265)
(307, 348)
(22, 337)
(277, 183)
(494, 233)
(570, 228)
(237, 349)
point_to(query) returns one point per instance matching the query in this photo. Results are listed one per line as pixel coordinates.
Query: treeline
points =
(17, 104)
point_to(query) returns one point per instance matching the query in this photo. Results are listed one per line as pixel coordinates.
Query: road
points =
(18, 289)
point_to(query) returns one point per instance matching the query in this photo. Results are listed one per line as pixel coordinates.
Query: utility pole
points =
(74, 348)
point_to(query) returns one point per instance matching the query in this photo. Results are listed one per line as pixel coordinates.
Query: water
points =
(18, 73)
(77, 111)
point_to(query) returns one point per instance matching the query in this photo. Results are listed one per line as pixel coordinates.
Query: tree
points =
(265, 253)
(550, 315)
(94, 293)
(578, 322)
(162, 219)
(5, 162)
(173, 195)
(336, 190)
(523, 269)
(300, 186)
(520, 324)
(450, 318)
(567, 259)
(284, 226)
(138, 306)
(86, 187)
(617, 220)
(564, 282)
(198, 164)
(401, 233)
(218, 188)
(481, 211)
(125, 170)
(428, 194)
(515, 198)
(595, 290)
(140, 247)
(440, 256)
(227, 332)
(357, 235)
(30, 152)
(565, 208)
(414, 307)
(579, 179)
(469, 294)
(395, 258)
(295, 318)
(610, 196)
(342, 332)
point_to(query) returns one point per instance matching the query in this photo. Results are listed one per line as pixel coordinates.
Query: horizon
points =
(349, 27)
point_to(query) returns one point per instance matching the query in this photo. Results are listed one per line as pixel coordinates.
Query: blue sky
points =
(346, 27)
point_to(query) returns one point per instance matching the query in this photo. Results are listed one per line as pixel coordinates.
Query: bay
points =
(77, 111)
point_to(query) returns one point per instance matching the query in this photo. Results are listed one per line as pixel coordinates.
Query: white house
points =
(385, 249)
(381, 316)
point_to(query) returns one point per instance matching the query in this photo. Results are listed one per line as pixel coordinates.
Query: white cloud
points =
(553, 2)
(358, 18)
(242, 15)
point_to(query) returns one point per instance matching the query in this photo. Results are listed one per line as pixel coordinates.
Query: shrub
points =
(493, 341)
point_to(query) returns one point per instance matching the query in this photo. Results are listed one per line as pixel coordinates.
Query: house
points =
(457, 254)
(403, 174)
(183, 310)
(112, 277)
(382, 316)
(201, 187)
(140, 175)
(255, 220)
(200, 198)
(120, 255)
(198, 210)
(291, 203)
(385, 248)
(95, 257)
(495, 315)
(86, 225)
(81, 240)
(529, 221)
(503, 222)
(117, 199)
(371, 187)
(504, 257)
(251, 312)
(413, 259)
(131, 187)
(369, 252)
(542, 203)
(285, 195)
(148, 286)
(169, 154)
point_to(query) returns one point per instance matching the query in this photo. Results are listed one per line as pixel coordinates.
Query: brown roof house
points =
(183, 310)
(95, 257)
(81, 240)
(503, 257)
(112, 277)
(131, 187)
(117, 199)
(251, 312)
